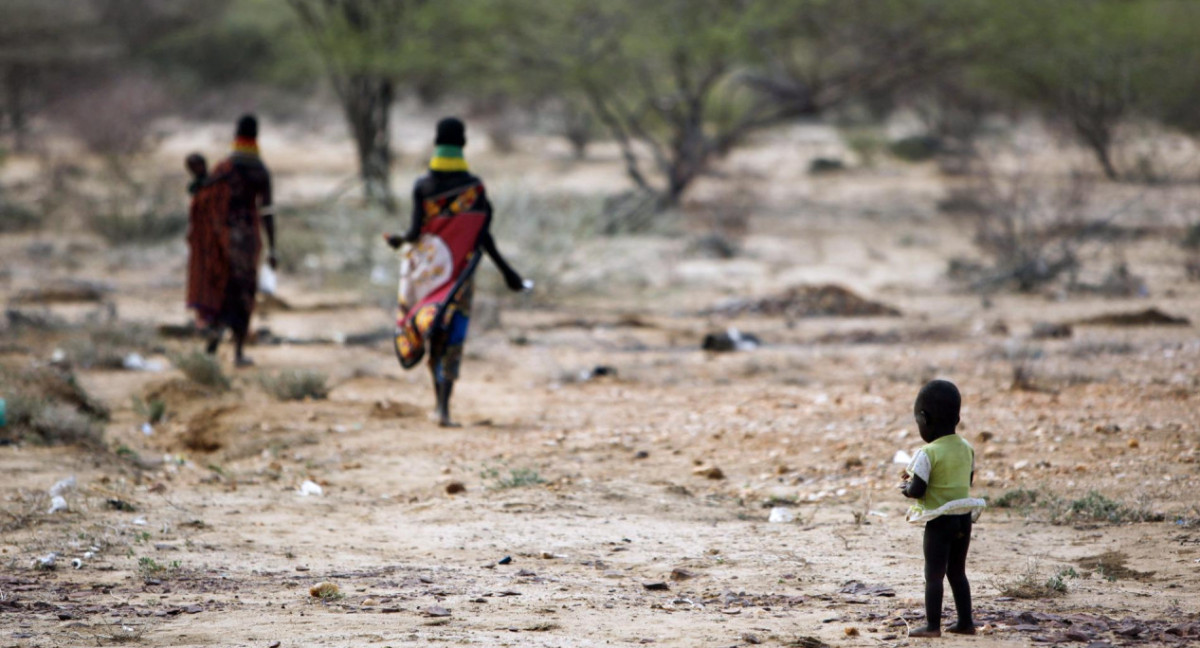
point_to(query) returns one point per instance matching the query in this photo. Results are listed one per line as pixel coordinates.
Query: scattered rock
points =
(118, 504)
(657, 586)
(370, 602)
(1050, 331)
(324, 590)
(1133, 443)
(851, 632)
(455, 487)
(681, 574)
(860, 589)
(436, 611)
(751, 638)
(641, 454)
(822, 165)
(709, 472)
(730, 340)
(505, 560)
(389, 409)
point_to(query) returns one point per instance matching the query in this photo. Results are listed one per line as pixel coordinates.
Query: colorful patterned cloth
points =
(225, 238)
(435, 280)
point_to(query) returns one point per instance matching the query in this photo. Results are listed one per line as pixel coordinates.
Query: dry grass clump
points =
(296, 385)
(1032, 585)
(107, 346)
(203, 369)
(48, 405)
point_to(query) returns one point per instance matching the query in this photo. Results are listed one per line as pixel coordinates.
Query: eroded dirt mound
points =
(389, 409)
(826, 300)
(1148, 317)
(176, 392)
(205, 431)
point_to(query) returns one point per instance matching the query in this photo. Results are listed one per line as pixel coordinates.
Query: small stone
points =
(657, 586)
(1133, 443)
(751, 638)
(641, 454)
(851, 632)
(455, 487)
(436, 611)
(709, 472)
(193, 609)
(505, 560)
(370, 602)
(275, 644)
(681, 574)
(323, 590)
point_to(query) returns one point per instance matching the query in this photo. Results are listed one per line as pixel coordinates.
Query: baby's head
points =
(936, 409)
(196, 165)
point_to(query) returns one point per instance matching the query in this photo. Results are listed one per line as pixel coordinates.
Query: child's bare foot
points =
(925, 632)
(962, 628)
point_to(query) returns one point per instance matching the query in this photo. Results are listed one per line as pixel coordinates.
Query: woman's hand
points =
(394, 241)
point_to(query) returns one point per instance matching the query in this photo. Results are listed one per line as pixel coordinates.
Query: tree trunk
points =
(15, 105)
(366, 101)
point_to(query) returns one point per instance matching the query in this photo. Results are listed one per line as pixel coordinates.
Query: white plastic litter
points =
(77, 563)
(268, 281)
(49, 561)
(141, 521)
(781, 514)
(310, 487)
(61, 486)
(147, 429)
(135, 362)
(527, 285)
(902, 457)
(380, 276)
(57, 503)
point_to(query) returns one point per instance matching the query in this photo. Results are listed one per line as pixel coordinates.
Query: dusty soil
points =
(591, 513)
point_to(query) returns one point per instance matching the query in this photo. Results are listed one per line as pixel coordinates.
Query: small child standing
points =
(939, 477)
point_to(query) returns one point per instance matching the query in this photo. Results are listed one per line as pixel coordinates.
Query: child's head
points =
(196, 165)
(936, 409)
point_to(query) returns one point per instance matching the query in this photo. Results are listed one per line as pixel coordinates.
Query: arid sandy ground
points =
(597, 491)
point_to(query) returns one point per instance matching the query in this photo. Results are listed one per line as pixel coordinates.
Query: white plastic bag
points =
(268, 281)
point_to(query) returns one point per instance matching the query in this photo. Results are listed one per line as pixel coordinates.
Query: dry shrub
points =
(47, 405)
(296, 385)
(106, 346)
(1032, 585)
(203, 369)
(1029, 227)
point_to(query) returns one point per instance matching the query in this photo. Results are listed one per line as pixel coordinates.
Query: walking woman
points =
(230, 208)
(451, 217)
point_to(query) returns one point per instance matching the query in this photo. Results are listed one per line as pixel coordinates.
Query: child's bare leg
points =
(937, 555)
(956, 573)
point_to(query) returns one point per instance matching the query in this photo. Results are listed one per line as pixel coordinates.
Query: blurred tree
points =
(42, 43)
(372, 48)
(1092, 64)
(663, 78)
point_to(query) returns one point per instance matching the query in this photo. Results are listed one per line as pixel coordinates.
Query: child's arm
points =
(914, 488)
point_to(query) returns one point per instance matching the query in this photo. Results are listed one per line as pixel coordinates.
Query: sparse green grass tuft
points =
(150, 568)
(296, 385)
(1017, 498)
(152, 412)
(1030, 584)
(202, 368)
(516, 478)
